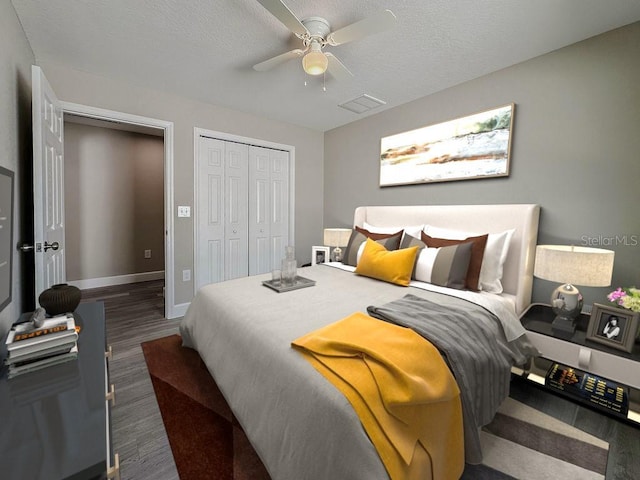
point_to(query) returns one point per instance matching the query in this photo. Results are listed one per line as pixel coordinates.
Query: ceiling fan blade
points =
(336, 68)
(277, 60)
(374, 24)
(279, 10)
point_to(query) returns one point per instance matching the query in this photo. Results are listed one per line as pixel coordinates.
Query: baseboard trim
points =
(117, 280)
(179, 310)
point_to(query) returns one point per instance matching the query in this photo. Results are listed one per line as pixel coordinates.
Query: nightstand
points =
(577, 352)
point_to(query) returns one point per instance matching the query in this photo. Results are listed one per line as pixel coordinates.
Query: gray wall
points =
(79, 87)
(575, 147)
(114, 202)
(575, 150)
(16, 58)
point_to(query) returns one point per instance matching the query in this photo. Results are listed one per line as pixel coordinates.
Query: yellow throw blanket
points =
(400, 387)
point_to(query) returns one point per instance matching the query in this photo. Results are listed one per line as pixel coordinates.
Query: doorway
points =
(133, 123)
(114, 203)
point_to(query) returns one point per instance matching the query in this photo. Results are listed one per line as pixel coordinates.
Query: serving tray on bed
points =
(279, 287)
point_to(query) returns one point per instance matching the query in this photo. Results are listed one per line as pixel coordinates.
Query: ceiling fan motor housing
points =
(318, 29)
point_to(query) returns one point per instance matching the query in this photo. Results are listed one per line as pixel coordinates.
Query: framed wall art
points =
(612, 326)
(467, 148)
(6, 235)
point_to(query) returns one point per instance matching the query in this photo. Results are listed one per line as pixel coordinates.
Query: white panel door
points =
(48, 184)
(279, 219)
(210, 212)
(242, 210)
(260, 260)
(269, 208)
(236, 210)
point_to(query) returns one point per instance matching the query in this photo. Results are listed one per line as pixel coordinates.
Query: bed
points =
(299, 424)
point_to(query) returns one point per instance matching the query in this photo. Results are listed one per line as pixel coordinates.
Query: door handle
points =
(26, 247)
(53, 246)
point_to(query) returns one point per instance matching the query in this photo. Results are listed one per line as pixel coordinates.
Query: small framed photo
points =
(614, 327)
(319, 255)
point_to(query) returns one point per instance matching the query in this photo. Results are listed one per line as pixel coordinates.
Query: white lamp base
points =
(336, 254)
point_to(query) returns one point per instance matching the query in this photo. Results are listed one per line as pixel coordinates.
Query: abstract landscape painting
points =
(476, 146)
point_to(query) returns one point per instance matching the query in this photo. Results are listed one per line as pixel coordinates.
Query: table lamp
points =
(584, 266)
(337, 237)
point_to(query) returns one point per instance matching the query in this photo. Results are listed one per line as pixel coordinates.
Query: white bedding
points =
(300, 425)
(502, 305)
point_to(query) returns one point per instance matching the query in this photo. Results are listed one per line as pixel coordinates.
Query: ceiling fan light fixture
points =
(315, 62)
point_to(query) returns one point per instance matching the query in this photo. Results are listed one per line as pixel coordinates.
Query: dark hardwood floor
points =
(135, 313)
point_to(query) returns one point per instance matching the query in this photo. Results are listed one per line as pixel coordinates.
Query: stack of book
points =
(30, 348)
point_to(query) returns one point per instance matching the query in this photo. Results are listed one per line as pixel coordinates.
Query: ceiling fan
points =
(315, 33)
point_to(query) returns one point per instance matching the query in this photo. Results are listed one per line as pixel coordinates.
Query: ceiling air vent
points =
(362, 104)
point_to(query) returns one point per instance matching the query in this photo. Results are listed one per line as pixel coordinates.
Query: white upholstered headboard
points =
(517, 277)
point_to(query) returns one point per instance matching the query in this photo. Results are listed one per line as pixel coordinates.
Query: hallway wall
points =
(114, 202)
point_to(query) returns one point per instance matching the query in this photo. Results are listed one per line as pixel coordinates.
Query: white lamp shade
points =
(582, 266)
(337, 237)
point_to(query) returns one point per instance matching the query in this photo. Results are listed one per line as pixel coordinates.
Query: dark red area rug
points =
(208, 443)
(206, 440)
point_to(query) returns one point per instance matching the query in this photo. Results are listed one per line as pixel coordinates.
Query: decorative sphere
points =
(566, 301)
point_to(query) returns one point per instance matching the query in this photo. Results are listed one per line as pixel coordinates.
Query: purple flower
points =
(616, 295)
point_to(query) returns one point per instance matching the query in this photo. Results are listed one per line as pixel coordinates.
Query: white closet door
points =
(236, 211)
(268, 208)
(211, 212)
(279, 220)
(259, 211)
(242, 210)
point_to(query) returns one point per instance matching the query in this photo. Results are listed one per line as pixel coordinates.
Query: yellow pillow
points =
(394, 266)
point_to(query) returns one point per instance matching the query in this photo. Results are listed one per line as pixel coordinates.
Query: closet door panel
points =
(260, 211)
(242, 210)
(210, 213)
(236, 210)
(279, 218)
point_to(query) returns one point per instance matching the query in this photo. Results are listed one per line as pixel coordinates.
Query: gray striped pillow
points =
(359, 237)
(444, 266)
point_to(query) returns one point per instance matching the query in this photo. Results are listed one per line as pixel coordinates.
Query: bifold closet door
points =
(222, 211)
(268, 208)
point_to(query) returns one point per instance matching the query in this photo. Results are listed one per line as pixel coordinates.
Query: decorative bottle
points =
(289, 266)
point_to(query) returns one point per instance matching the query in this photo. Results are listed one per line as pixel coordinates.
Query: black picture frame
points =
(6, 235)
(612, 326)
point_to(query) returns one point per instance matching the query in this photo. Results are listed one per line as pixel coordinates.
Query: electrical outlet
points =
(186, 275)
(147, 254)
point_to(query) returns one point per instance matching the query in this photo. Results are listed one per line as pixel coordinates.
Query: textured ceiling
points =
(204, 50)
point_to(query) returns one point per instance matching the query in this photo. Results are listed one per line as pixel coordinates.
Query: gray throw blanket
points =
(473, 343)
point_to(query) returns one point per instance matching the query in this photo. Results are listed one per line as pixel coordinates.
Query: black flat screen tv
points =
(6, 236)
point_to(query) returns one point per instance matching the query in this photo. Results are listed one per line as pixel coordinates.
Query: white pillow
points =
(495, 254)
(413, 230)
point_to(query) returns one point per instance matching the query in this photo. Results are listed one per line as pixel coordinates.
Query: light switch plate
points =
(184, 211)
